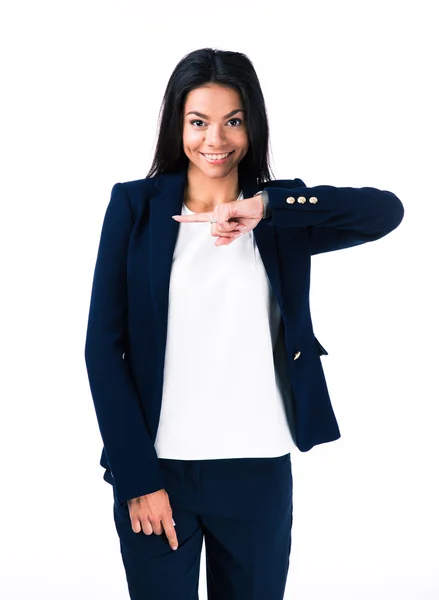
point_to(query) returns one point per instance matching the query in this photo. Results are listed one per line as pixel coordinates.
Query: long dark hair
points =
(230, 69)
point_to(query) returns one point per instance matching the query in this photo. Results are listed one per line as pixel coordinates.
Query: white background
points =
(351, 97)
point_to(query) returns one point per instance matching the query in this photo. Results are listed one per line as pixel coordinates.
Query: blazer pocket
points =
(320, 347)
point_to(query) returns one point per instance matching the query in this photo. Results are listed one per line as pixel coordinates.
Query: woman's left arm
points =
(336, 217)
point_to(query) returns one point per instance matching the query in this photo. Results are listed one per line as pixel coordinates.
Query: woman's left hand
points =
(233, 219)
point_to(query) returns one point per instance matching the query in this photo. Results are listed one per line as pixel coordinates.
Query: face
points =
(214, 130)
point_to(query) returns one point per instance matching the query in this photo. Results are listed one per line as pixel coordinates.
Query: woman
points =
(203, 364)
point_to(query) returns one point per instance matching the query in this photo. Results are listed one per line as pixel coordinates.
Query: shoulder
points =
(137, 192)
(139, 186)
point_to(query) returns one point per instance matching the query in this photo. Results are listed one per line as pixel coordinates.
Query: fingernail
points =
(173, 522)
(174, 547)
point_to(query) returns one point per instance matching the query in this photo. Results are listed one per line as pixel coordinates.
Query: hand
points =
(233, 219)
(150, 512)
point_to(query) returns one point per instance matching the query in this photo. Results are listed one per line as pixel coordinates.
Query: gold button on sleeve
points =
(313, 200)
(301, 199)
(291, 200)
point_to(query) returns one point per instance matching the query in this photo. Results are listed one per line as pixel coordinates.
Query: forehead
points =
(212, 99)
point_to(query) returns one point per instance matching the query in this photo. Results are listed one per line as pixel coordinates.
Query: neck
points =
(208, 191)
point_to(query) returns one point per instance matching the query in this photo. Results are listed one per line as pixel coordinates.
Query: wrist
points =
(263, 196)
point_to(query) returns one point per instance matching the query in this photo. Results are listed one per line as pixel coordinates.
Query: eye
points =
(239, 122)
(196, 121)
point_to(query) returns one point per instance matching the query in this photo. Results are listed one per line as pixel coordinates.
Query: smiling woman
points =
(219, 130)
(203, 364)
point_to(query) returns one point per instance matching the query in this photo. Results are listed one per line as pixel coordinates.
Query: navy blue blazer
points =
(127, 326)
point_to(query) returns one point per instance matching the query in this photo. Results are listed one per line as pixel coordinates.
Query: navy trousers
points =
(242, 507)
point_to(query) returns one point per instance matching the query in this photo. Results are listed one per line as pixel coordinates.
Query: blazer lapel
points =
(265, 237)
(163, 236)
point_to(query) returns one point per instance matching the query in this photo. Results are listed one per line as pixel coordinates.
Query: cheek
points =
(191, 139)
(242, 140)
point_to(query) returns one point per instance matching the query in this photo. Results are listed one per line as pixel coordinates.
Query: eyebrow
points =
(230, 114)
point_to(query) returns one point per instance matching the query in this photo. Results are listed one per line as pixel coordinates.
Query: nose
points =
(215, 136)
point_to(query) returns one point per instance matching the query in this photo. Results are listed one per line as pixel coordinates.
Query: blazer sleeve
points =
(336, 217)
(128, 445)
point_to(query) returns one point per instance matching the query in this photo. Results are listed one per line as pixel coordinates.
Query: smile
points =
(217, 158)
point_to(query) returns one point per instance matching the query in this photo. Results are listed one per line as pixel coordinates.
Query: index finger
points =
(196, 218)
(170, 532)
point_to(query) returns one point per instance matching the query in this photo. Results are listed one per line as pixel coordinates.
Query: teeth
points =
(216, 156)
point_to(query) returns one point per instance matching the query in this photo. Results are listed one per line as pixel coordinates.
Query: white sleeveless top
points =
(220, 398)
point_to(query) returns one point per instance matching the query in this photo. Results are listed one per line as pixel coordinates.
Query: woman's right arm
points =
(128, 445)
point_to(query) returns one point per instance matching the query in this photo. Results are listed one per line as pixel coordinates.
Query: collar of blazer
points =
(163, 233)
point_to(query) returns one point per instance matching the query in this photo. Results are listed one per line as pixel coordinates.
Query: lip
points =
(217, 162)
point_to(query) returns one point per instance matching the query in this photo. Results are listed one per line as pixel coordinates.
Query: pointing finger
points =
(170, 532)
(197, 218)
